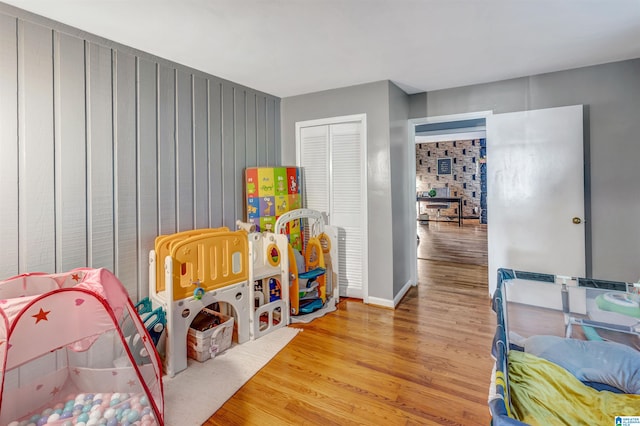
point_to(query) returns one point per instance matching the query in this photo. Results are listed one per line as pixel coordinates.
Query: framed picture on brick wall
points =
(444, 166)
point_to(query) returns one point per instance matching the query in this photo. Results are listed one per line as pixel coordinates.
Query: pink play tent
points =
(74, 351)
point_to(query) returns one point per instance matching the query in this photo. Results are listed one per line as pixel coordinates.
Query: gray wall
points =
(403, 229)
(372, 99)
(103, 147)
(611, 93)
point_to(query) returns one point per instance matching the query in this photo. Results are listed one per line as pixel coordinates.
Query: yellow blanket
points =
(545, 394)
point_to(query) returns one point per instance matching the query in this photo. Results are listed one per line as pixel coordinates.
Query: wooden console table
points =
(443, 200)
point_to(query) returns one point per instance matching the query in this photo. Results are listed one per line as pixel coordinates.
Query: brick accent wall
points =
(464, 180)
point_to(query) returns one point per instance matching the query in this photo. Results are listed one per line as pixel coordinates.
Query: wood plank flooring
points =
(450, 243)
(425, 363)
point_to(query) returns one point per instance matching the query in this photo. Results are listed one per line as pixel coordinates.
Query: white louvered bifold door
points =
(314, 160)
(332, 160)
(346, 204)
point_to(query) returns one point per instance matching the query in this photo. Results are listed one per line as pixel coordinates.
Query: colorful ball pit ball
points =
(118, 409)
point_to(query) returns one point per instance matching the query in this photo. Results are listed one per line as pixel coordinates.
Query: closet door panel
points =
(346, 203)
(314, 160)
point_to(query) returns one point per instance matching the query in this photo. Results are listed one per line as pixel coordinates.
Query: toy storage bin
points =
(210, 334)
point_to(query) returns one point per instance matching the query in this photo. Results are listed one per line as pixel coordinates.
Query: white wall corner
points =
(405, 288)
(388, 303)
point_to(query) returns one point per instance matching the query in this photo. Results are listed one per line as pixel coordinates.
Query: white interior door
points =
(332, 154)
(535, 189)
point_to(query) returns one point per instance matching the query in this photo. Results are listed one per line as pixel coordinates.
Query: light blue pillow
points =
(611, 363)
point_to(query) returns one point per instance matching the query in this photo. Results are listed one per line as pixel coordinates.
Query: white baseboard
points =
(405, 288)
(386, 303)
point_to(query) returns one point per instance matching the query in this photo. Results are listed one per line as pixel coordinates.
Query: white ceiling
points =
(291, 47)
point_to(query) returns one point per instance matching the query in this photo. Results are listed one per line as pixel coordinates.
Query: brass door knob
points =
(576, 220)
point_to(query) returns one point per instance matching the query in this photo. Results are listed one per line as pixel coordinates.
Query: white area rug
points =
(193, 395)
(330, 306)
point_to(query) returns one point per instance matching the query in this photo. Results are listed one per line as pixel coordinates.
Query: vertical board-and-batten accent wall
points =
(102, 148)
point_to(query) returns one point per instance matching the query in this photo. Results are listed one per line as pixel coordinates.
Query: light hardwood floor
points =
(425, 363)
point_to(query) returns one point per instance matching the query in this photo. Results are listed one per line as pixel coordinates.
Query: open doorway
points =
(450, 155)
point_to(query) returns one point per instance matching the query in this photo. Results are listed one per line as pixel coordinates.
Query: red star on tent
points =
(54, 391)
(75, 277)
(41, 316)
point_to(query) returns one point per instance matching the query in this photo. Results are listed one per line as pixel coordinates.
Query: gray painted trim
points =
(9, 216)
(125, 169)
(147, 183)
(166, 150)
(70, 152)
(184, 151)
(36, 172)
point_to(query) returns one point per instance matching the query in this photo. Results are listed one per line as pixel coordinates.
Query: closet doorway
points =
(332, 153)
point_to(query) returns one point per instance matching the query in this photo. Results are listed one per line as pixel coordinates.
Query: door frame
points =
(362, 119)
(411, 187)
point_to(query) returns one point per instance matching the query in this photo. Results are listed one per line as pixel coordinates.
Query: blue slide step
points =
(314, 273)
(308, 306)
